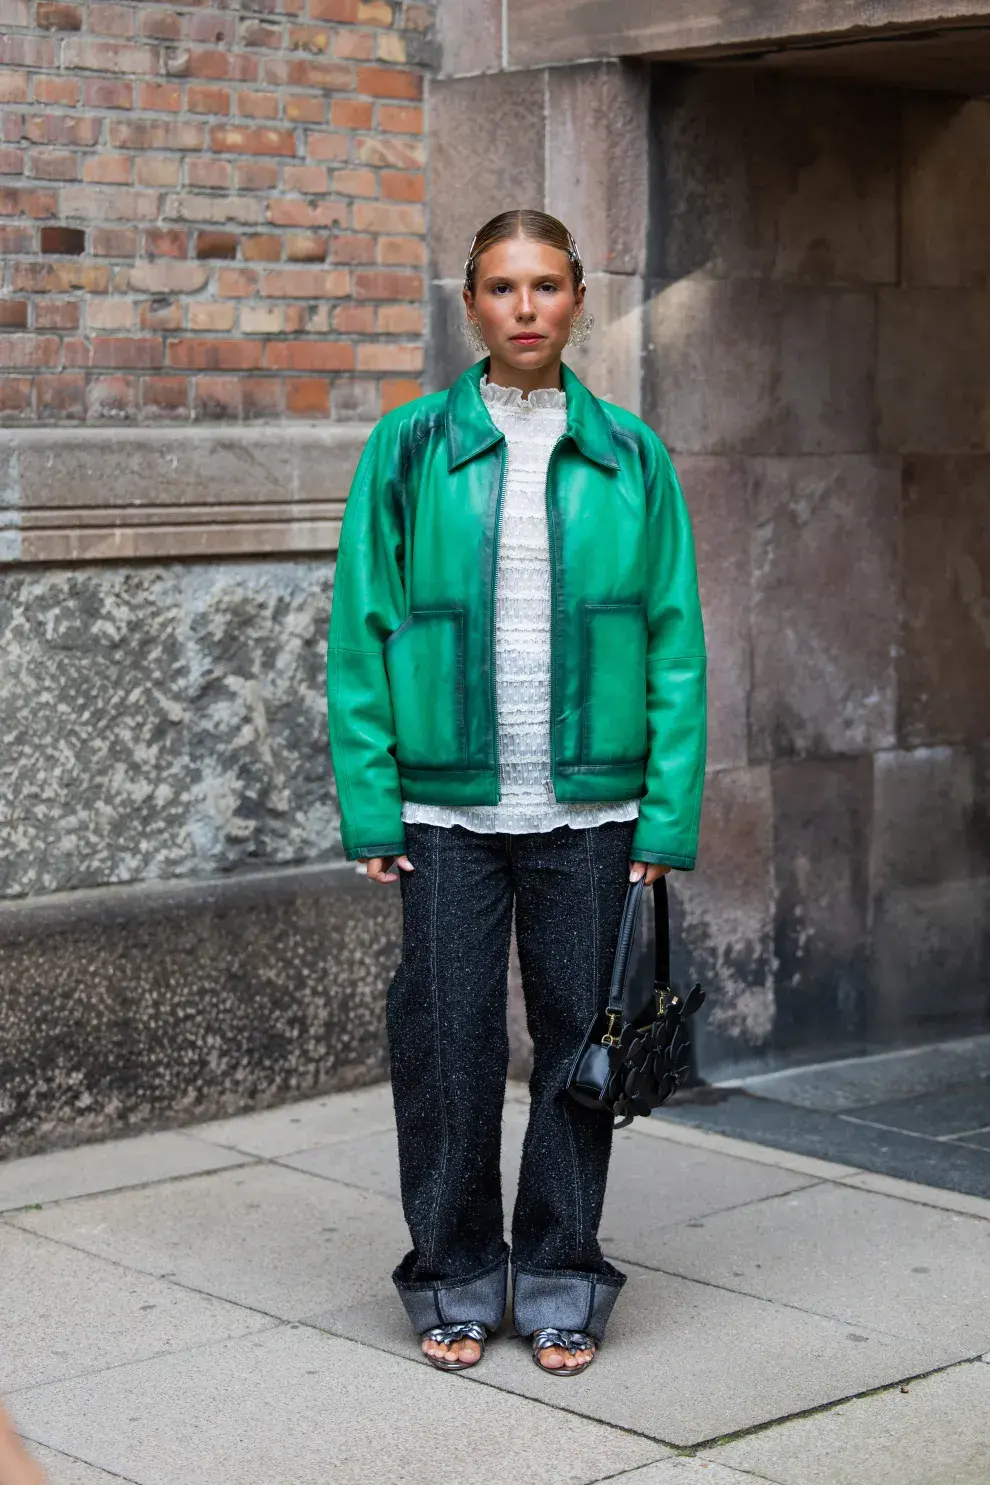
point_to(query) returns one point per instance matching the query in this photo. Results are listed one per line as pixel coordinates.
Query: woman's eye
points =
(551, 287)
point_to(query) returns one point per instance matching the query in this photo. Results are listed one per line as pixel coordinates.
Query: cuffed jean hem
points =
(480, 1298)
(563, 1299)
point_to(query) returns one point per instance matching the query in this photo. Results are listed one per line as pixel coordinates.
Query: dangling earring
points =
(471, 331)
(581, 328)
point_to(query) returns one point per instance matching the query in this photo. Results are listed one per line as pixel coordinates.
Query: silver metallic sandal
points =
(448, 1335)
(568, 1340)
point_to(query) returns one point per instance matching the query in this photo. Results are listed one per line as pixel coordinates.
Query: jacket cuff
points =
(662, 858)
(390, 848)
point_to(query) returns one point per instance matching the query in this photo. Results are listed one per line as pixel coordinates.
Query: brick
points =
(168, 277)
(306, 283)
(256, 175)
(261, 249)
(403, 185)
(62, 91)
(206, 64)
(351, 113)
(233, 140)
(216, 245)
(294, 213)
(307, 317)
(389, 82)
(54, 165)
(214, 355)
(15, 394)
(401, 154)
(396, 120)
(334, 10)
(60, 129)
(58, 17)
(328, 146)
(65, 241)
(14, 87)
(113, 351)
(155, 170)
(207, 100)
(102, 92)
(392, 48)
(56, 314)
(237, 283)
(15, 13)
(111, 397)
(309, 355)
(221, 29)
(165, 395)
(393, 251)
(155, 134)
(261, 396)
(308, 180)
(258, 105)
(161, 25)
(16, 240)
(349, 248)
(22, 352)
(61, 396)
(264, 319)
(217, 397)
(307, 397)
(369, 216)
(315, 39)
(398, 393)
(355, 182)
(354, 46)
(160, 97)
(354, 319)
(418, 17)
(305, 247)
(11, 162)
(206, 174)
(16, 202)
(385, 356)
(162, 314)
(27, 51)
(76, 353)
(336, 77)
(113, 242)
(109, 56)
(107, 170)
(111, 20)
(244, 68)
(109, 314)
(379, 284)
(13, 314)
(375, 13)
(189, 207)
(166, 242)
(261, 33)
(304, 109)
(108, 203)
(208, 316)
(400, 319)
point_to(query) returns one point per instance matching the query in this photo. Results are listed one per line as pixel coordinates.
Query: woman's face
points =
(524, 300)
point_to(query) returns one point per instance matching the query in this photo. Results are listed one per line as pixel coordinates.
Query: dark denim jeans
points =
(449, 1048)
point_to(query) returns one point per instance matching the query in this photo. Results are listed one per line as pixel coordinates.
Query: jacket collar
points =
(470, 430)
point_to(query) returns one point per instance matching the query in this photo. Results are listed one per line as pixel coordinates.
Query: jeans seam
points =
(431, 1245)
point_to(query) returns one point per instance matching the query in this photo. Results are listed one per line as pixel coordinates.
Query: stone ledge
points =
(95, 494)
(129, 1008)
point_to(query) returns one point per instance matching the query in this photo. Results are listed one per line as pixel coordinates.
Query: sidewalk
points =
(213, 1307)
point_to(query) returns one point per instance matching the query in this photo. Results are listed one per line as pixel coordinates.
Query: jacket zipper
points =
(493, 606)
(553, 621)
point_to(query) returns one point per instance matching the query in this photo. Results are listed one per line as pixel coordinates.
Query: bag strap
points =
(627, 938)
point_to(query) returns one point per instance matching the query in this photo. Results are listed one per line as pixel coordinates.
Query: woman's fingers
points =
(381, 868)
(649, 870)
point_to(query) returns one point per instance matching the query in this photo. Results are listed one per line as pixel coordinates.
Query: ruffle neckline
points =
(552, 398)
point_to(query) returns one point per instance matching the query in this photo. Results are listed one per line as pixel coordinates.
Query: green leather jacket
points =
(411, 665)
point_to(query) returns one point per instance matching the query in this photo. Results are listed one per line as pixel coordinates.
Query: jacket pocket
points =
(613, 714)
(424, 661)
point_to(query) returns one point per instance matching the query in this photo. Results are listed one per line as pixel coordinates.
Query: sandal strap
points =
(568, 1340)
(448, 1335)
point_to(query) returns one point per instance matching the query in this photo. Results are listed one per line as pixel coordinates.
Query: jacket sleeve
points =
(367, 607)
(667, 831)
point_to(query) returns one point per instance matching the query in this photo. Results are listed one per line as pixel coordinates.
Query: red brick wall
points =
(211, 210)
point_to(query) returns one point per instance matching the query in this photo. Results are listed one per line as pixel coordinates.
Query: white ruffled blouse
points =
(532, 425)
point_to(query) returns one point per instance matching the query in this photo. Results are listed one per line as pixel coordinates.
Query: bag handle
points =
(627, 938)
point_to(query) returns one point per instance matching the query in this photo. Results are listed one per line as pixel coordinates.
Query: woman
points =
(516, 681)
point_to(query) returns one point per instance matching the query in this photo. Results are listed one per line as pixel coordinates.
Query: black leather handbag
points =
(632, 1061)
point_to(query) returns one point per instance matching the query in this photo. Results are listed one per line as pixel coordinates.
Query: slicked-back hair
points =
(536, 226)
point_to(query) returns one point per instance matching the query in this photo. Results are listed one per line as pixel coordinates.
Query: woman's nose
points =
(525, 309)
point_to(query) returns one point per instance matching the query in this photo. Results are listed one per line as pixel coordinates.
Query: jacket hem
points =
(663, 858)
(391, 848)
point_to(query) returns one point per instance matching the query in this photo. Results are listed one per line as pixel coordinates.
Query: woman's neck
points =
(501, 374)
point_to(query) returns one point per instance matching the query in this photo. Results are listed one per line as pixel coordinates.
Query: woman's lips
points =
(527, 339)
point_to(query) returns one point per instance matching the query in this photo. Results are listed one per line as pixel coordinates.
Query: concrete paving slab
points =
(299, 1126)
(935, 1114)
(926, 1196)
(61, 1470)
(856, 1082)
(936, 1431)
(681, 1471)
(65, 1312)
(108, 1167)
(275, 1239)
(668, 1128)
(298, 1406)
(868, 1260)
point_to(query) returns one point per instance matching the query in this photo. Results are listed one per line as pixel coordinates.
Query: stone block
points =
(945, 652)
(470, 178)
(932, 386)
(821, 833)
(717, 491)
(754, 366)
(597, 126)
(611, 361)
(447, 351)
(764, 176)
(470, 36)
(945, 205)
(722, 921)
(931, 817)
(131, 1008)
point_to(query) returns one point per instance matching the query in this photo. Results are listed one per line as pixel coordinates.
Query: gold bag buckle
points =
(610, 1039)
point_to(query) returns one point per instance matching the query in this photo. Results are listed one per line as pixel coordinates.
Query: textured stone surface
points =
(945, 204)
(470, 36)
(447, 352)
(768, 177)
(596, 177)
(472, 180)
(755, 366)
(823, 645)
(129, 1008)
(611, 361)
(162, 721)
(823, 813)
(932, 387)
(945, 652)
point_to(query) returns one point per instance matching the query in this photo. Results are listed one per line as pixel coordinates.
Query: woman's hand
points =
(651, 870)
(380, 868)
